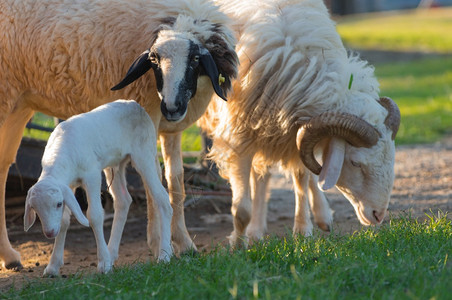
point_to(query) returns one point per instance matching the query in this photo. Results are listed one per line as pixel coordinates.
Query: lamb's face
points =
(46, 200)
(177, 66)
(367, 178)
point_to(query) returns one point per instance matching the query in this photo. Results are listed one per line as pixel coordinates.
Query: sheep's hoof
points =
(324, 226)
(190, 253)
(14, 266)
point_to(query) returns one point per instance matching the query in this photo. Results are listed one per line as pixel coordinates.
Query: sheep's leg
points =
(302, 224)
(116, 177)
(239, 177)
(154, 226)
(95, 215)
(323, 216)
(57, 258)
(259, 188)
(10, 136)
(174, 174)
(157, 196)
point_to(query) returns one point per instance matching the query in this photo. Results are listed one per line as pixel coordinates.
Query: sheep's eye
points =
(196, 58)
(59, 204)
(154, 58)
(356, 164)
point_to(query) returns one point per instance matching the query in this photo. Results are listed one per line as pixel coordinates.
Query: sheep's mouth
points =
(50, 234)
(175, 117)
(368, 217)
(363, 218)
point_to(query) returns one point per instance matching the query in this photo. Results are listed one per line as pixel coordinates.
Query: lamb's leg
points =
(239, 177)
(154, 188)
(95, 215)
(323, 216)
(174, 174)
(116, 177)
(57, 258)
(10, 136)
(259, 188)
(302, 223)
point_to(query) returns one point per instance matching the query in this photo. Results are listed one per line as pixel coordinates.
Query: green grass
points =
(423, 88)
(191, 139)
(412, 30)
(423, 91)
(406, 259)
(42, 120)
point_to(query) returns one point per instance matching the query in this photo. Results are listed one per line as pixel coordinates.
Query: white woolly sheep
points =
(294, 97)
(109, 136)
(61, 57)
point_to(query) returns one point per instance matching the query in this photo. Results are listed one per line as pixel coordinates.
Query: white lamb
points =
(294, 98)
(108, 137)
(61, 57)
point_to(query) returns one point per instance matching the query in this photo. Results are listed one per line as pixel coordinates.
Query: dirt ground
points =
(423, 184)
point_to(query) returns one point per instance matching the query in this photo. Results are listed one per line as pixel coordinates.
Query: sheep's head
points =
(48, 199)
(185, 49)
(357, 158)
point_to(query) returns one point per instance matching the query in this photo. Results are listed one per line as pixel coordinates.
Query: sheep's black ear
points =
(140, 66)
(212, 71)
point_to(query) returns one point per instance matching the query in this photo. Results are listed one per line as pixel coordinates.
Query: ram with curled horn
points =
(293, 104)
(341, 128)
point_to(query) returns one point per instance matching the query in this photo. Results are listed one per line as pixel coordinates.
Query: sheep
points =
(61, 57)
(108, 137)
(294, 98)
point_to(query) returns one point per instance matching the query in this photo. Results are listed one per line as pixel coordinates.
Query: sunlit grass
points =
(412, 30)
(405, 259)
(423, 91)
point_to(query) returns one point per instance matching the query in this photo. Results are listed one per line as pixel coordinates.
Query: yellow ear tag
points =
(221, 79)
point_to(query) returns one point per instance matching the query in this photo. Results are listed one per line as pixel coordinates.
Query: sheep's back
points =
(63, 56)
(292, 67)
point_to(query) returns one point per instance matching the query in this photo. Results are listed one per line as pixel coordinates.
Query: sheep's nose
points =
(379, 215)
(171, 107)
(175, 111)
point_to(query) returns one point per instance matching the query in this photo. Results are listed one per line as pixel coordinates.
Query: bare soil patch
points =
(423, 185)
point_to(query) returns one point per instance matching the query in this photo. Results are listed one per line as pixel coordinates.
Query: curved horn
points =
(353, 129)
(392, 121)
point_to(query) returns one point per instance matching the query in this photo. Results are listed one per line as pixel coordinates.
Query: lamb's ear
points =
(71, 202)
(140, 66)
(212, 71)
(332, 164)
(29, 216)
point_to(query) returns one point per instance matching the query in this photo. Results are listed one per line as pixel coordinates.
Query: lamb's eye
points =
(196, 58)
(59, 204)
(356, 164)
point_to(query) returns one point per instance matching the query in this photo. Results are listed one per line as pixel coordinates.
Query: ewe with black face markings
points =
(294, 98)
(61, 57)
(108, 137)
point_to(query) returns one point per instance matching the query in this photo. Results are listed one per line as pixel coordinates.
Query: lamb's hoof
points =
(14, 266)
(324, 226)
